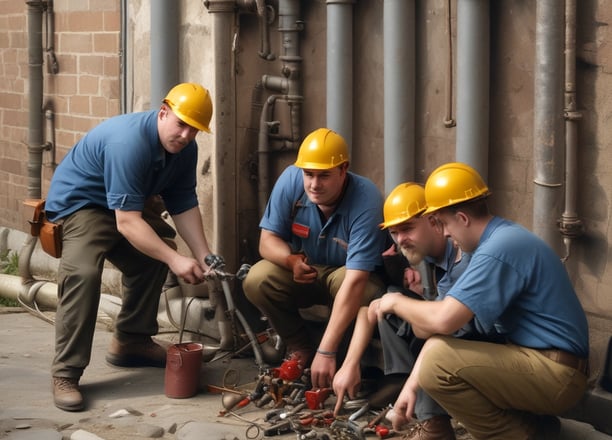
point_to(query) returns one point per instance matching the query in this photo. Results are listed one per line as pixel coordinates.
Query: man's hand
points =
(382, 306)
(405, 403)
(412, 280)
(346, 381)
(302, 271)
(322, 370)
(187, 268)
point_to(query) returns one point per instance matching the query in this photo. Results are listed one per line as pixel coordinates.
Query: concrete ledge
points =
(595, 409)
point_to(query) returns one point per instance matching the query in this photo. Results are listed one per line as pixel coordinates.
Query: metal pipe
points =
(35, 97)
(448, 119)
(569, 224)
(288, 88)
(473, 84)
(399, 91)
(548, 120)
(164, 48)
(123, 57)
(340, 68)
(225, 236)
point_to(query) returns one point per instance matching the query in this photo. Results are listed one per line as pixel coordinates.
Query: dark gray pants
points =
(400, 350)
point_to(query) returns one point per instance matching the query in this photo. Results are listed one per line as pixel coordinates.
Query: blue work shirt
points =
(450, 268)
(118, 165)
(350, 237)
(516, 282)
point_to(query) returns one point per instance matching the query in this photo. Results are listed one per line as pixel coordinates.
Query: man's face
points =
(455, 227)
(324, 187)
(174, 134)
(415, 238)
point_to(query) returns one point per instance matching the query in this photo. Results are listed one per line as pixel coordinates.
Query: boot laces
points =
(65, 383)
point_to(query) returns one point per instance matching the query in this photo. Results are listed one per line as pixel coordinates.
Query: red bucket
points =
(183, 362)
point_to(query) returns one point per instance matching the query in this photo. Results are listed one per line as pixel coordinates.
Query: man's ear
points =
(463, 218)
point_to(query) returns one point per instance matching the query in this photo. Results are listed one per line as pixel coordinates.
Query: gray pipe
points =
(340, 68)
(473, 84)
(164, 48)
(225, 236)
(399, 84)
(570, 225)
(288, 87)
(35, 98)
(548, 120)
(123, 50)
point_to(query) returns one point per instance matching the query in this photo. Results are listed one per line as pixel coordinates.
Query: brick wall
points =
(85, 91)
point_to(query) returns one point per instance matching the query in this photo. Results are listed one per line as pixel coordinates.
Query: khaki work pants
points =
(495, 390)
(272, 290)
(90, 238)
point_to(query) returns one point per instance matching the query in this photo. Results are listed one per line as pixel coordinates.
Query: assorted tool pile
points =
(293, 406)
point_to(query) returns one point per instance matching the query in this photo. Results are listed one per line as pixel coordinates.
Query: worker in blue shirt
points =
(321, 244)
(108, 193)
(419, 239)
(515, 285)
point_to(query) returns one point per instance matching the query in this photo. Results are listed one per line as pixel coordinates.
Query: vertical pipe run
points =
(35, 98)
(340, 68)
(570, 225)
(473, 84)
(164, 48)
(225, 237)
(548, 120)
(399, 90)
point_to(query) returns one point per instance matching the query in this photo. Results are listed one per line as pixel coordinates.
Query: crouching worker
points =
(102, 192)
(419, 238)
(320, 243)
(516, 285)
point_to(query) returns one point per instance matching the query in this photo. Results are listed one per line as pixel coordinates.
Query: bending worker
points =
(419, 238)
(105, 192)
(320, 243)
(514, 284)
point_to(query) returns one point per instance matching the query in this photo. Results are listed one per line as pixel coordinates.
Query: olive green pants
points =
(90, 237)
(272, 290)
(495, 390)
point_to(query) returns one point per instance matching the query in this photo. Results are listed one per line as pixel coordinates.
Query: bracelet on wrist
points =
(327, 353)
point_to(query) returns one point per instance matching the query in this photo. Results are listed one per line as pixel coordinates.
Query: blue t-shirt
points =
(350, 237)
(118, 165)
(517, 284)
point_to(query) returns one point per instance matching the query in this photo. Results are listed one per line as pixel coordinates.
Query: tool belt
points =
(49, 233)
(567, 359)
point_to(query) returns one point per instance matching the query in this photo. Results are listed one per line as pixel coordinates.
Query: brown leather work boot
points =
(138, 353)
(66, 393)
(436, 428)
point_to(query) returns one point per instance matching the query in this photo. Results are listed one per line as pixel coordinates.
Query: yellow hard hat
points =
(322, 149)
(407, 200)
(453, 183)
(192, 104)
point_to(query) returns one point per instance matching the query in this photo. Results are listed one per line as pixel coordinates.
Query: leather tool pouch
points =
(49, 233)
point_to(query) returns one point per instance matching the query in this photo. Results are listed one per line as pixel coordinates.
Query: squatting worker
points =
(419, 238)
(515, 284)
(321, 244)
(106, 192)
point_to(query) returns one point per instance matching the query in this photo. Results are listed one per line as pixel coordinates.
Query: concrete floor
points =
(122, 403)
(130, 403)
